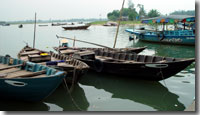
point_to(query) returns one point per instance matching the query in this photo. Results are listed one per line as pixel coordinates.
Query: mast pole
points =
(118, 24)
(34, 32)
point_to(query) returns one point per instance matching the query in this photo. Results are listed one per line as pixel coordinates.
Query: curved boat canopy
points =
(169, 19)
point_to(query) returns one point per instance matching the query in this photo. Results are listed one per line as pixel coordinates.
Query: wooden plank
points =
(3, 65)
(39, 76)
(9, 70)
(37, 58)
(13, 66)
(26, 74)
(68, 51)
(65, 66)
(29, 53)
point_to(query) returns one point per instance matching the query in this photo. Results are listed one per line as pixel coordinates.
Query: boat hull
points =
(30, 89)
(76, 27)
(23, 83)
(145, 71)
(118, 50)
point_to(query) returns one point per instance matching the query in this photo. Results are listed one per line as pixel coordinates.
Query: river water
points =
(102, 92)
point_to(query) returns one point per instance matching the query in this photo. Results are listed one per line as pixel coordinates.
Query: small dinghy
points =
(27, 81)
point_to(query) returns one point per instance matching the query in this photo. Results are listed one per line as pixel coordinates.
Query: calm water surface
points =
(102, 92)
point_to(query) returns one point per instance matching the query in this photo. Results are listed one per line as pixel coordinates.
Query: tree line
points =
(131, 14)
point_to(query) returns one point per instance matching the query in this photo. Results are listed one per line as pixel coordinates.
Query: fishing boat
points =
(73, 67)
(65, 49)
(77, 27)
(42, 25)
(184, 35)
(27, 81)
(58, 24)
(70, 50)
(133, 65)
(20, 26)
(110, 24)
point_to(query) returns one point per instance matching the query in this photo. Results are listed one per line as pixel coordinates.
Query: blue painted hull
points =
(170, 39)
(35, 89)
(30, 88)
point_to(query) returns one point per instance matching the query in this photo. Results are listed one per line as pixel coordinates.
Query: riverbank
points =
(121, 23)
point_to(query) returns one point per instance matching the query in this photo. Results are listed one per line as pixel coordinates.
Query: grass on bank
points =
(121, 23)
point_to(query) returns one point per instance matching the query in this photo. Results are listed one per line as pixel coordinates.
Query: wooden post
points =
(74, 42)
(118, 24)
(34, 32)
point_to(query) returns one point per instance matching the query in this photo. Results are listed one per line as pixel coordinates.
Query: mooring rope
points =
(73, 80)
(165, 86)
(75, 104)
(163, 78)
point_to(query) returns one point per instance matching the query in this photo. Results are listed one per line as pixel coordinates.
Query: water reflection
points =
(14, 105)
(152, 94)
(62, 99)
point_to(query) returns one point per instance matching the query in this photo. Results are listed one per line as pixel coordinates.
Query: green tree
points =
(129, 12)
(142, 12)
(130, 4)
(132, 13)
(114, 15)
(153, 13)
(183, 12)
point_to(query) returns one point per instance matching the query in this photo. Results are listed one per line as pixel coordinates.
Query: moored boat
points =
(184, 35)
(71, 50)
(73, 67)
(132, 65)
(77, 27)
(27, 81)
(20, 26)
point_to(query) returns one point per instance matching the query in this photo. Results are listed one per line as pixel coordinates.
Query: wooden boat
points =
(110, 24)
(70, 50)
(181, 36)
(58, 24)
(76, 27)
(20, 26)
(43, 25)
(137, 66)
(73, 67)
(27, 81)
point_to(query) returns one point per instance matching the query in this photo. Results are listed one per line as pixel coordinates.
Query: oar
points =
(9, 67)
(85, 42)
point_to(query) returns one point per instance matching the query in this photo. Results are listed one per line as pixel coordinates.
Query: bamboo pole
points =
(84, 42)
(74, 42)
(118, 24)
(34, 32)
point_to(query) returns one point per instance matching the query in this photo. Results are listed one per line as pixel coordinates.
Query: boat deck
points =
(15, 72)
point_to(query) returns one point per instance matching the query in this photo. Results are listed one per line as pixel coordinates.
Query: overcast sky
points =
(11, 10)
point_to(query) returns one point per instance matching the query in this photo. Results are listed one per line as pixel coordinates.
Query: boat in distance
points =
(27, 81)
(77, 27)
